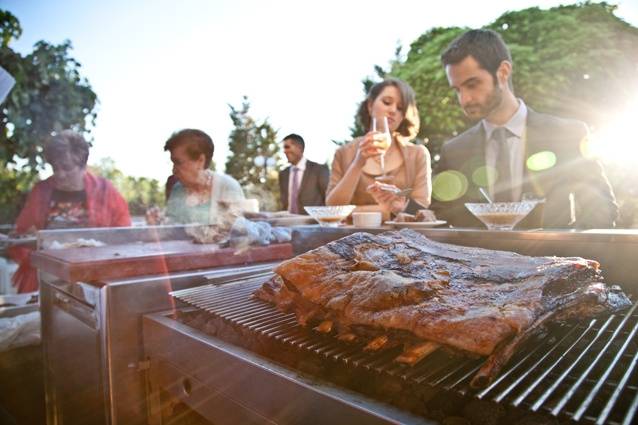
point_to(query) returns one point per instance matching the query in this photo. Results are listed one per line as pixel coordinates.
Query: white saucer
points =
(416, 224)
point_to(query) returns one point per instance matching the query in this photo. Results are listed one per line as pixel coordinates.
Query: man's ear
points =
(504, 72)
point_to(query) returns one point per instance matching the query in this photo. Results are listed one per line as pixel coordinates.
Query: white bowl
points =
(330, 216)
(367, 219)
(501, 215)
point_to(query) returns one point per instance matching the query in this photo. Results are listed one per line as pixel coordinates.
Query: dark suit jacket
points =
(548, 138)
(312, 190)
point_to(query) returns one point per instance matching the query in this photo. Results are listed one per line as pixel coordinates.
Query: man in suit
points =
(304, 182)
(513, 151)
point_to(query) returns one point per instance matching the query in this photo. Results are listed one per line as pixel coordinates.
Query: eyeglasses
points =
(64, 166)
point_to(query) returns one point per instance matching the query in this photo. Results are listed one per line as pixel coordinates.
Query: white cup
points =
(366, 219)
(250, 205)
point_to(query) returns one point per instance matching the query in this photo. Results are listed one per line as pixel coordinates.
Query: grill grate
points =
(584, 371)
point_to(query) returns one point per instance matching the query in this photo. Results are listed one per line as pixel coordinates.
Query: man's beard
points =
(478, 111)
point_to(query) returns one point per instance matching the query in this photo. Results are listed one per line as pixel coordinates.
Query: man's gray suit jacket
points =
(555, 140)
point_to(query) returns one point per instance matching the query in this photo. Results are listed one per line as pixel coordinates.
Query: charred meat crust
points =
(410, 289)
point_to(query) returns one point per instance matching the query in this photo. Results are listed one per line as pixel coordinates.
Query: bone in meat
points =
(470, 299)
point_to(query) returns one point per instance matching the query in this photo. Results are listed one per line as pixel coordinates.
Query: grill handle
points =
(76, 309)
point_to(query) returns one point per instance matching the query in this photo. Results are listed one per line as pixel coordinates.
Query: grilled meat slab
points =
(412, 289)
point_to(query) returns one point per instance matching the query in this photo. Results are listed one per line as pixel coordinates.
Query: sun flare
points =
(616, 141)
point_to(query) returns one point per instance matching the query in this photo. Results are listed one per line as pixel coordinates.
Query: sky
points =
(160, 66)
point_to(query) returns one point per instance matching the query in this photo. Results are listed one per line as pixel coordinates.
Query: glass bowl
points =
(501, 215)
(330, 216)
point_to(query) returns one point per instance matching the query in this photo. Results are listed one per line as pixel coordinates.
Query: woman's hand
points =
(385, 196)
(366, 149)
(155, 216)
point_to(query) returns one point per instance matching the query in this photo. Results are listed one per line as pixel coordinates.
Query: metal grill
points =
(584, 371)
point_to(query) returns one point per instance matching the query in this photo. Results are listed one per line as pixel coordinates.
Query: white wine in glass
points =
(382, 140)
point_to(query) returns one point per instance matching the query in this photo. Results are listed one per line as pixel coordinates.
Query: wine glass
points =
(382, 139)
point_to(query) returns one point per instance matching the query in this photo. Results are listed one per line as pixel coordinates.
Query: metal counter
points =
(92, 332)
(239, 360)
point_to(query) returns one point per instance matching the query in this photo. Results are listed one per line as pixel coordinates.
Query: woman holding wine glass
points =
(383, 170)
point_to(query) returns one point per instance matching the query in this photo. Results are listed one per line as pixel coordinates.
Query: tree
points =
(254, 156)
(14, 186)
(575, 61)
(439, 113)
(49, 95)
(357, 129)
(140, 192)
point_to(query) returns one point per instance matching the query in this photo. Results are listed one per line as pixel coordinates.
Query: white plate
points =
(416, 224)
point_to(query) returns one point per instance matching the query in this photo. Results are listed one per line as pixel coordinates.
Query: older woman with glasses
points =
(71, 197)
(199, 195)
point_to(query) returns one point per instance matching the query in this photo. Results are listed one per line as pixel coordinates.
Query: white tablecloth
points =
(7, 269)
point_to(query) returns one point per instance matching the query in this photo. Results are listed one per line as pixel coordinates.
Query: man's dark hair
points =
(197, 143)
(486, 46)
(296, 139)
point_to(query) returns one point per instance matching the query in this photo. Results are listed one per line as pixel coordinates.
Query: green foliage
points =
(49, 95)
(14, 186)
(439, 112)
(9, 27)
(254, 156)
(575, 61)
(357, 129)
(140, 192)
